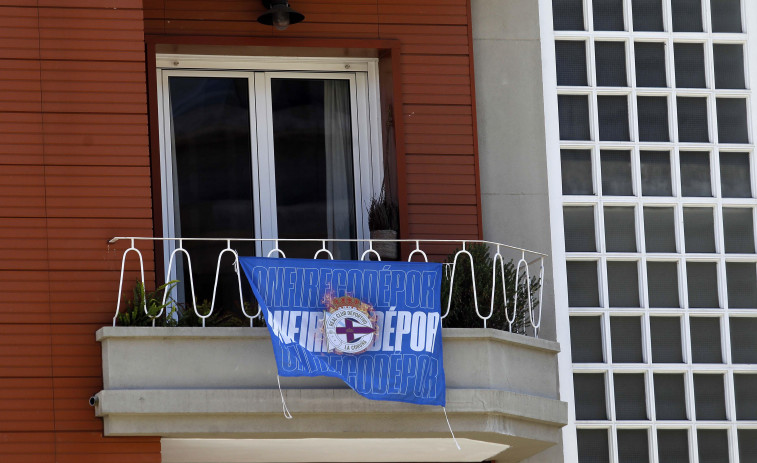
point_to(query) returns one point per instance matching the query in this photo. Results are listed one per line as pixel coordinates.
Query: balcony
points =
(212, 394)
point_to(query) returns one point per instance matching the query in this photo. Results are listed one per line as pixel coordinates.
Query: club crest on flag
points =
(349, 325)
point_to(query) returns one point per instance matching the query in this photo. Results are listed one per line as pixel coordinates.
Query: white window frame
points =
(748, 38)
(366, 122)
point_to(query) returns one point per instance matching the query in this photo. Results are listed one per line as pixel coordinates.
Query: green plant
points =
(176, 314)
(383, 212)
(462, 310)
(134, 314)
(186, 316)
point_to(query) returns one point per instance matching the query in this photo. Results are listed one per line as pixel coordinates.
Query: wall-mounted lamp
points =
(279, 15)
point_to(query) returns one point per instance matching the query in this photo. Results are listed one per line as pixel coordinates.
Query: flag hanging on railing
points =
(375, 325)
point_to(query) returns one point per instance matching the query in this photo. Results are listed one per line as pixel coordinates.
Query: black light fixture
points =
(279, 15)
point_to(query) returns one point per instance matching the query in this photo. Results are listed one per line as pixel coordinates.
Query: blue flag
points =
(375, 325)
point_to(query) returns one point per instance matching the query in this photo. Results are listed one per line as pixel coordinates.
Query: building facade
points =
(616, 136)
(658, 221)
(640, 126)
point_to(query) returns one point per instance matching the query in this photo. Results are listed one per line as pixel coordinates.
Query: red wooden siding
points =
(441, 184)
(75, 171)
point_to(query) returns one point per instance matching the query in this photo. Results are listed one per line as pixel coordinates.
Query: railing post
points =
(121, 281)
(418, 250)
(191, 279)
(522, 269)
(370, 249)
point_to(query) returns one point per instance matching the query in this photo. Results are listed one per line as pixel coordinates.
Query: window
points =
(257, 149)
(669, 283)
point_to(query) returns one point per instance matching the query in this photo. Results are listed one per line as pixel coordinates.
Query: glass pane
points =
(633, 446)
(659, 229)
(713, 445)
(612, 112)
(742, 285)
(689, 63)
(692, 120)
(705, 340)
(709, 397)
(593, 446)
(213, 193)
(574, 117)
(579, 229)
(743, 340)
(655, 173)
(729, 65)
(732, 126)
(611, 64)
(669, 396)
(583, 289)
(695, 173)
(666, 339)
(702, 282)
(726, 15)
(662, 283)
(650, 64)
(747, 445)
(571, 62)
(623, 284)
(735, 180)
(687, 15)
(576, 172)
(608, 15)
(738, 230)
(630, 397)
(568, 15)
(616, 173)
(586, 339)
(653, 118)
(312, 138)
(620, 229)
(647, 15)
(673, 445)
(626, 339)
(745, 387)
(589, 391)
(699, 229)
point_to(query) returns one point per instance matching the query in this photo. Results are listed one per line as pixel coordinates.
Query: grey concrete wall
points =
(512, 147)
(511, 136)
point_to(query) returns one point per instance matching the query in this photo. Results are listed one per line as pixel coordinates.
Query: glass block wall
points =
(658, 186)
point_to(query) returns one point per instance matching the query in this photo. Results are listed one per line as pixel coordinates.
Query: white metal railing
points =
(525, 258)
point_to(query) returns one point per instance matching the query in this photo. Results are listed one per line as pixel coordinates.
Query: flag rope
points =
(288, 415)
(450, 428)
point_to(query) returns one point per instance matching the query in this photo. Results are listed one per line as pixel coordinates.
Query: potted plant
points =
(462, 312)
(383, 222)
(176, 314)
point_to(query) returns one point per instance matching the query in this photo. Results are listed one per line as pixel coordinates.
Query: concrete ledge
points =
(220, 383)
(112, 332)
(319, 401)
(510, 426)
(242, 358)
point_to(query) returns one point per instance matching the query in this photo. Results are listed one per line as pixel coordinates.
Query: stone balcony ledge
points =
(214, 384)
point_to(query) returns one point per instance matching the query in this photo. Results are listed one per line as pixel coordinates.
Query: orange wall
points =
(75, 171)
(441, 182)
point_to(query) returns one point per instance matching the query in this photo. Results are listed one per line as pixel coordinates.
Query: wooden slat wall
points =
(74, 171)
(436, 77)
